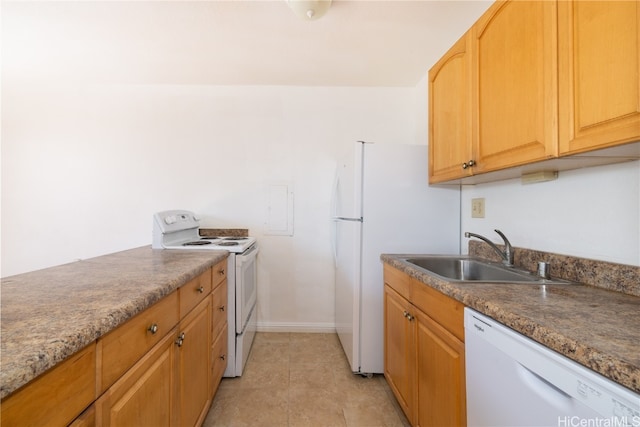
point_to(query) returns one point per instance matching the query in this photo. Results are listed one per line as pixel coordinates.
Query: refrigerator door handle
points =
(334, 225)
(334, 236)
(342, 218)
(334, 194)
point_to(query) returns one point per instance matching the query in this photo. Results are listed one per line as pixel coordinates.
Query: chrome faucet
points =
(506, 255)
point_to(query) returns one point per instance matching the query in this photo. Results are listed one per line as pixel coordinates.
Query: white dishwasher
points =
(515, 381)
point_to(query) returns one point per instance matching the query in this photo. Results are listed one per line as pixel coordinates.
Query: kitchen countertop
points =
(48, 315)
(595, 327)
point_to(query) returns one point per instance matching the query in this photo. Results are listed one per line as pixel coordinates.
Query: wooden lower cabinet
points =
(398, 355)
(145, 394)
(160, 368)
(219, 357)
(424, 360)
(56, 397)
(169, 386)
(194, 360)
(441, 399)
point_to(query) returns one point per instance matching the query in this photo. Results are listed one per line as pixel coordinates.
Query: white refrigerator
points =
(382, 203)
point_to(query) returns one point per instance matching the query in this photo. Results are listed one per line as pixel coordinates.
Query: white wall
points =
(590, 213)
(85, 167)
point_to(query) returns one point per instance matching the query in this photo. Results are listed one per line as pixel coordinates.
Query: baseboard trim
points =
(296, 327)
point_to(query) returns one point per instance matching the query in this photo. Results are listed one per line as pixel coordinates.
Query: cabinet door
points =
(450, 114)
(515, 78)
(399, 356)
(440, 372)
(194, 360)
(599, 74)
(145, 394)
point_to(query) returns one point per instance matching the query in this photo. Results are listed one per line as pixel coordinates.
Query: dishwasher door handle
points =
(547, 391)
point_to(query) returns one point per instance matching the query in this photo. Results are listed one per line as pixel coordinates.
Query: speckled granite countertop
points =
(48, 315)
(597, 328)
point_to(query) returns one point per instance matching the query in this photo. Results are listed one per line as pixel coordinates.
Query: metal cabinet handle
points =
(468, 164)
(153, 328)
(200, 289)
(180, 339)
(222, 357)
(221, 308)
(221, 272)
(407, 315)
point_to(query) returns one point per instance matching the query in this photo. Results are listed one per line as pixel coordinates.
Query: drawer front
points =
(219, 272)
(219, 307)
(121, 348)
(448, 312)
(219, 358)
(398, 281)
(194, 291)
(56, 397)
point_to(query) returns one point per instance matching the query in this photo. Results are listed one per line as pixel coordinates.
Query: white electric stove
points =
(179, 230)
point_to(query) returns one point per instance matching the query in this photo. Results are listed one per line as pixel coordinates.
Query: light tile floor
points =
(297, 379)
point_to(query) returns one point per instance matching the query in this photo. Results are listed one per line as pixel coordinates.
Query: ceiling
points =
(357, 43)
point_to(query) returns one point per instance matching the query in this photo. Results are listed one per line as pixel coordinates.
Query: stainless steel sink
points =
(467, 269)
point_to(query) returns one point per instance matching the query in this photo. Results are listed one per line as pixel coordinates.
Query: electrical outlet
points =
(477, 208)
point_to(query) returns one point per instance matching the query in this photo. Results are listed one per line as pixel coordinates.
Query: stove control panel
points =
(176, 220)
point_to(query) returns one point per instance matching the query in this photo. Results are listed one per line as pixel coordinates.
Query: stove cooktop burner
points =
(228, 243)
(197, 243)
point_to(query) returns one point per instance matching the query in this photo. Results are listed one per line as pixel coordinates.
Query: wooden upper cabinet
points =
(450, 114)
(515, 84)
(599, 77)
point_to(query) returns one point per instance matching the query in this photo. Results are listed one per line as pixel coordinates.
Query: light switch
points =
(477, 208)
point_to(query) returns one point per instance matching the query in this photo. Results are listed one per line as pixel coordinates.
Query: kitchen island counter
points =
(49, 315)
(595, 327)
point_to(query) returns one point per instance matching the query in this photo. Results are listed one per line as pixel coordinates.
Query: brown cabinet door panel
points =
(599, 74)
(515, 61)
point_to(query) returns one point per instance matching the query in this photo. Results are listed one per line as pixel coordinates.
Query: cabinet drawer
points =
(121, 348)
(219, 272)
(194, 291)
(56, 397)
(398, 281)
(219, 307)
(219, 357)
(445, 310)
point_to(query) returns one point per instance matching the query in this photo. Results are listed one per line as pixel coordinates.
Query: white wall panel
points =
(590, 213)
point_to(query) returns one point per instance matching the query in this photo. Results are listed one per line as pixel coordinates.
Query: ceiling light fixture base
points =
(309, 10)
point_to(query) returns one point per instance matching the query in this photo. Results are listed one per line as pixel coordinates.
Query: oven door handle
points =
(247, 255)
